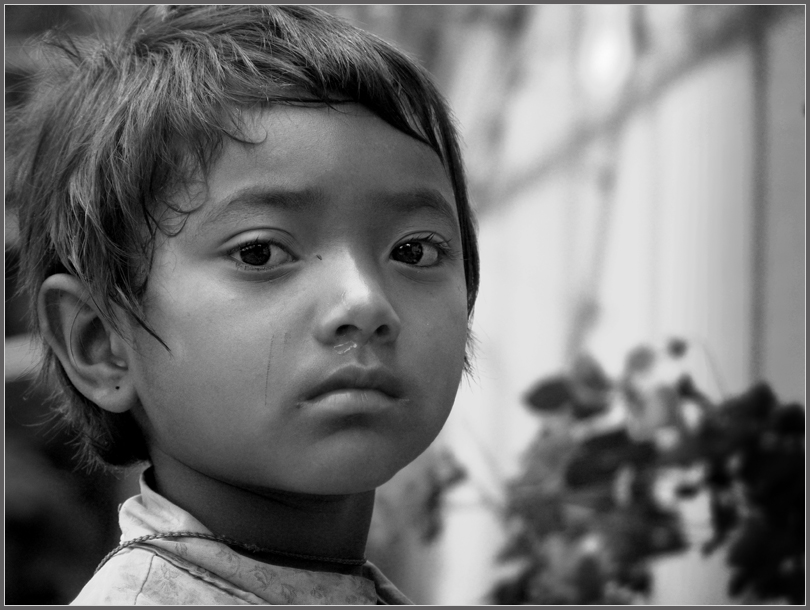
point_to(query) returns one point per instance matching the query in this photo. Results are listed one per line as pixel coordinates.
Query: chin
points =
(352, 482)
(354, 476)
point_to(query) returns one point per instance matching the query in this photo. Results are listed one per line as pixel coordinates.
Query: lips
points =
(354, 378)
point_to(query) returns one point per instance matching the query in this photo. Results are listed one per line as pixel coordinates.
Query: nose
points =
(356, 308)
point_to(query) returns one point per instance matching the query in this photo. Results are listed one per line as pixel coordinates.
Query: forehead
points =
(306, 157)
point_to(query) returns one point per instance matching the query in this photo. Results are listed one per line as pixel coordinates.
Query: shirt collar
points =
(149, 514)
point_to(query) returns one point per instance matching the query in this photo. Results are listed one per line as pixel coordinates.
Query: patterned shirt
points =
(185, 571)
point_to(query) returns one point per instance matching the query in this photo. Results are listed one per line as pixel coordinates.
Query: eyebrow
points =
(242, 201)
(416, 200)
(408, 202)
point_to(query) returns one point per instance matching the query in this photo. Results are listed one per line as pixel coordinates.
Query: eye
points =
(260, 254)
(417, 253)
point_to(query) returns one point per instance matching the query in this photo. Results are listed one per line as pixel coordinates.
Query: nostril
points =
(343, 330)
(346, 332)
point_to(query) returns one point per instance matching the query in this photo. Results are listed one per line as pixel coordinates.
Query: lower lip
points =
(354, 401)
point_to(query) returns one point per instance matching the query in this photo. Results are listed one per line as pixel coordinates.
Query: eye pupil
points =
(255, 254)
(410, 253)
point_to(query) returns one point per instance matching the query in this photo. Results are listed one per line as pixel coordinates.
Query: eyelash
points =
(444, 250)
(443, 247)
(259, 241)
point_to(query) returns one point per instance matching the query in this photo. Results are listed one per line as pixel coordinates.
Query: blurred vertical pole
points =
(707, 193)
(605, 47)
(782, 347)
(760, 213)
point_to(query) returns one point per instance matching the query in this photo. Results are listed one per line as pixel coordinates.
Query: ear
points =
(96, 358)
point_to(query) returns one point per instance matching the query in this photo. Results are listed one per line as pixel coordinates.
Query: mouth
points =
(356, 388)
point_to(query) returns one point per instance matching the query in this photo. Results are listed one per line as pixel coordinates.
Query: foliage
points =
(585, 514)
(754, 452)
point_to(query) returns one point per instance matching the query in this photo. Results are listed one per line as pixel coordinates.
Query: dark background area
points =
(60, 518)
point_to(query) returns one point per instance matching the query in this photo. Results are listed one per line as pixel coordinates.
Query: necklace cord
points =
(228, 541)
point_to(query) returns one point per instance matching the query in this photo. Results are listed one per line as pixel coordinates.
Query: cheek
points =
(443, 337)
(199, 318)
(216, 351)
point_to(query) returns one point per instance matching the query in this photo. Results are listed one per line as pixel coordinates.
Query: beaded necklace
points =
(230, 542)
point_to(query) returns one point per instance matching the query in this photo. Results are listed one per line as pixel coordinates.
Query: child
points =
(246, 234)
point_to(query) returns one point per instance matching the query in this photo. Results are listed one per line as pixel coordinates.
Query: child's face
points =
(315, 308)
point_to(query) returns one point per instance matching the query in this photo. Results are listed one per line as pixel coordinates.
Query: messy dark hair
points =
(115, 125)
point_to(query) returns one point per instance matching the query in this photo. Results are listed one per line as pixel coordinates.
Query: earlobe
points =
(93, 354)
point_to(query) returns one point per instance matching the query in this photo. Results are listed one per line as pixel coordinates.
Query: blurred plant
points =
(585, 514)
(412, 503)
(753, 449)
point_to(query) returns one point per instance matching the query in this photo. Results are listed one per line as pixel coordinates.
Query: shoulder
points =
(387, 592)
(140, 577)
(119, 582)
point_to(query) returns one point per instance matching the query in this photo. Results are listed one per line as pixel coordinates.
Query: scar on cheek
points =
(267, 377)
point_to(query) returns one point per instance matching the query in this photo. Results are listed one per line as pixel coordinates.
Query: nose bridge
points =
(357, 306)
(355, 278)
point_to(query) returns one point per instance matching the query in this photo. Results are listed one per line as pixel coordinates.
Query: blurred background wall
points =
(638, 173)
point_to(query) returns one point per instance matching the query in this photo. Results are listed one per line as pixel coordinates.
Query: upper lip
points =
(358, 378)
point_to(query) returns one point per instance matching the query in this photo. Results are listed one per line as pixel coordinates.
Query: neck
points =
(323, 527)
